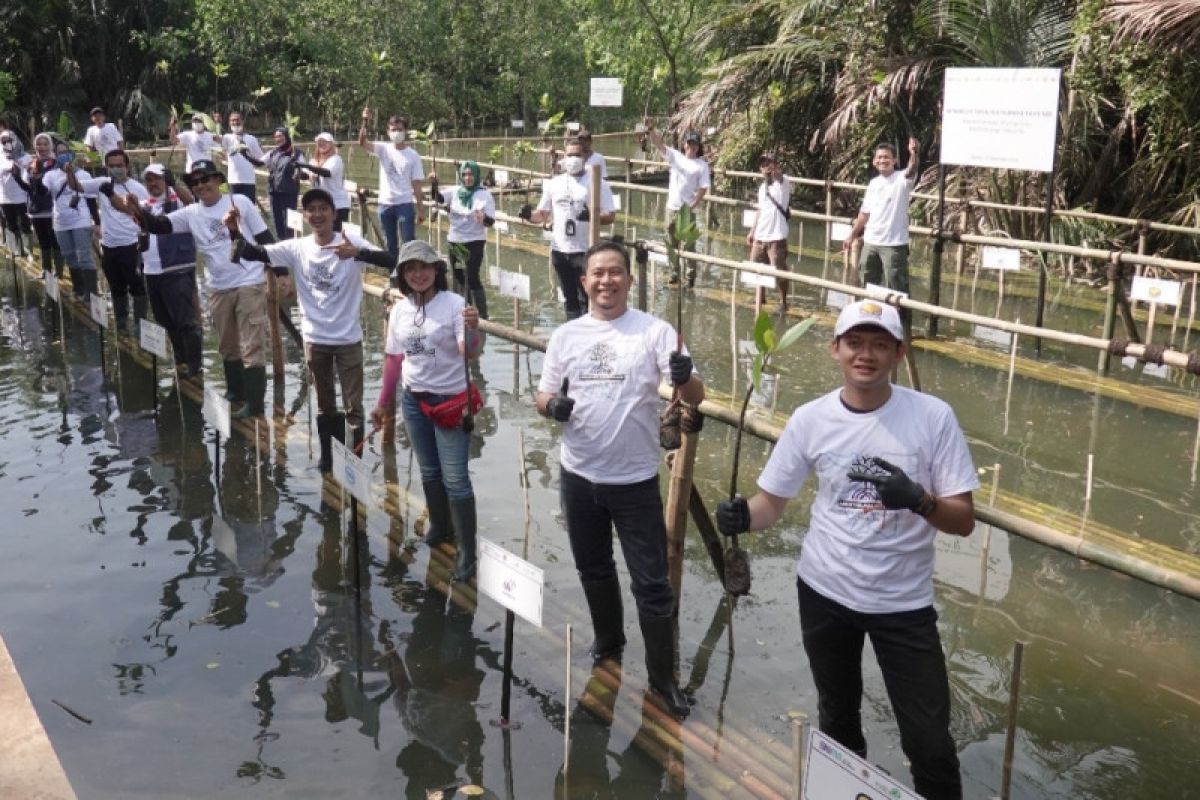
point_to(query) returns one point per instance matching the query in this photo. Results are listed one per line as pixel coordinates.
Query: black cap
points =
(691, 137)
(202, 169)
(316, 196)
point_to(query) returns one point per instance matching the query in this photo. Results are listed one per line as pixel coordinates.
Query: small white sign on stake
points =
(52, 286)
(216, 411)
(502, 177)
(755, 279)
(839, 231)
(350, 471)
(616, 202)
(511, 581)
(493, 276)
(153, 338)
(350, 186)
(874, 290)
(834, 771)
(1155, 290)
(1002, 258)
(573, 127)
(352, 229)
(295, 221)
(502, 225)
(547, 236)
(543, 124)
(99, 310)
(749, 217)
(514, 284)
(607, 92)
(659, 258)
(519, 124)
(837, 300)
(993, 335)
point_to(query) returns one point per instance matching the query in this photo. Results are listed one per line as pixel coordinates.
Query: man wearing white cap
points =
(198, 142)
(242, 154)
(892, 469)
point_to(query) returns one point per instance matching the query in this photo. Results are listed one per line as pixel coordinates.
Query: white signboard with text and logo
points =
(52, 286)
(350, 471)
(1000, 118)
(153, 338)
(839, 231)
(511, 581)
(757, 280)
(607, 92)
(832, 771)
(216, 411)
(99, 310)
(514, 284)
(1001, 258)
(1156, 290)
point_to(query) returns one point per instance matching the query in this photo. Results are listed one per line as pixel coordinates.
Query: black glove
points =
(435, 190)
(561, 406)
(896, 489)
(584, 216)
(733, 516)
(680, 367)
(106, 189)
(526, 212)
(169, 178)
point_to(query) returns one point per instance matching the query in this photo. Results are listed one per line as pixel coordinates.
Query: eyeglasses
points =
(194, 182)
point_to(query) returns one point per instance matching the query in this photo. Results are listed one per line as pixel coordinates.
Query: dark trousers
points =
(47, 242)
(120, 266)
(569, 268)
(16, 218)
(340, 215)
(910, 656)
(173, 301)
(474, 265)
(636, 510)
(280, 203)
(245, 190)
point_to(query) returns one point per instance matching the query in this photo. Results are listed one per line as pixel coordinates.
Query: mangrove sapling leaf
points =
(682, 233)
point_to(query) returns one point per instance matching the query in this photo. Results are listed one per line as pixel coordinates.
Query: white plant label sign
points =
(99, 310)
(511, 581)
(153, 338)
(351, 472)
(1155, 290)
(514, 284)
(1002, 258)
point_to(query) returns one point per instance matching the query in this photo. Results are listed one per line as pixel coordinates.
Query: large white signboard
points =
(510, 581)
(1000, 118)
(835, 772)
(607, 92)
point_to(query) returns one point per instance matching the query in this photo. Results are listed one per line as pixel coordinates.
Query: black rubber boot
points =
(77, 286)
(56, 256)
(608, 618)
(329, 427)
(235, 386)
(463, 514)
(254, 379)
(91, 281)
(479, 298)
(438, 503)
(120, 304)
(141, 304)
(659, 636)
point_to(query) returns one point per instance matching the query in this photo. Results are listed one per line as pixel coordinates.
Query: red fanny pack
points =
(449, 414)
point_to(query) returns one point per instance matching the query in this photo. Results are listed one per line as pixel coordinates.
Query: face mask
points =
(397, 136)
(8, 147)
(118, 173)
(198, 127)
(62, 159)
(572, 165)
(235, 128)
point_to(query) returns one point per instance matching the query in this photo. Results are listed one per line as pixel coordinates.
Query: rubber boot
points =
(141, 304)
(91, 282)
(27, 245)
(57, 257)
(328, 426)
(608, 618)
(254, 379)
(120, 304)
(235, 387)
(438, 503)
(78, 287)
(659, 636)
(479, 298)
(463, 514)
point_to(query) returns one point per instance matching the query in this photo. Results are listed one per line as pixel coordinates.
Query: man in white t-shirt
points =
(866, 567)
(688, 181)
(768, 236)
(883, 220)
(242, 154)
(590, 156)
(401, 199)
(565, 204)
(327, 268)
(198, 143)
(600, 380)
(102, 136)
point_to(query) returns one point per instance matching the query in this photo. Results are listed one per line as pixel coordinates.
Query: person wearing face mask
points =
(18, 233)
(590, 156)
(329, 175)
(120, 256)
(72, 219)
(198, 143)
(41, 203)
(242, 154)
(102, 136)
(688, 182)
(401, 197)
(283, 180)
(565, 203)
(472, 211)
(768, 236)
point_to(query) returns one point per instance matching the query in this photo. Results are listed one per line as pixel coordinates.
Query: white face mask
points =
(397, 136)
(572, 165)
(198, 127)
(236, 128)
(8, 147)
(118, 173)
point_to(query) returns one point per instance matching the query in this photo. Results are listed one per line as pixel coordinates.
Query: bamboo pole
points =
(1014, 696)
(277, 371)
(679, 495)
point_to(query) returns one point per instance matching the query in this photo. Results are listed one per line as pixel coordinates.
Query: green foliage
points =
(766, 343)
(8, 89)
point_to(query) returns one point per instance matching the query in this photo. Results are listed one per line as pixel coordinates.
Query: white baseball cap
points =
(155, 169)
(874, 313)
(324, 137)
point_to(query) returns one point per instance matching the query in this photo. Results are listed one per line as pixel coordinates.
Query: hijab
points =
(18, 149)
(464, 192)
(287, 139)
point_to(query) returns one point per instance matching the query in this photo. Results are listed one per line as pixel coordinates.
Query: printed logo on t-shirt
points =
(860, 495)
(322, 280)
(599, 364)
(217, 230)
(415, 345)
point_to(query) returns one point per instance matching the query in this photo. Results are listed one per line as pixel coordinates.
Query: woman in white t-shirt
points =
(472, 212)
(13, 197)
(330, 174)
(431, 332)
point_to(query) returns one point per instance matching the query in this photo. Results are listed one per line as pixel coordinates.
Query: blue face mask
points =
(62, 159)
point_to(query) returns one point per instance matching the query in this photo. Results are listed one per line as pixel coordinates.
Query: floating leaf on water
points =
(471, 790)
(213, 664)
(273, 604)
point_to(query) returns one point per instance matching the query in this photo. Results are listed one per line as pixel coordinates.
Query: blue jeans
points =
(441, 452)
(636, 510)
(76, 246)
(909, 652)
(403, 215)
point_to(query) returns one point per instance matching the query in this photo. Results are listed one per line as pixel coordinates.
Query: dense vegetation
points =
(819, 80)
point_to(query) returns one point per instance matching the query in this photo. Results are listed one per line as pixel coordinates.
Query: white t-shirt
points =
(240, 170)
(432, 361)
(886, 201)
(117, 229)
(10, 190)
(873, 561)
(463, 227)
(615, 368)
(398, 168)
(329, 289)
(103, 139)
(596, 158)
(566, 196)
(335, 183)
(65, 217)
(151, 261)
(207, 226)
(199, 147)
(688, 176)
(772, 226)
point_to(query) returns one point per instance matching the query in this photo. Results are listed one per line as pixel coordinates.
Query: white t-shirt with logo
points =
(596, 158)
(199, 147)
(687, 176)
(886, 201)
(614, 367)
(429, 339)
(565, 196)
(117, 229)
(329, 289)
(335, 184)
(65, 217)
(772, 226)
(240, 170)
(207, 226)
(10, 190)
(871, 560)
(104, 139)
(463, 227)
(398, 168)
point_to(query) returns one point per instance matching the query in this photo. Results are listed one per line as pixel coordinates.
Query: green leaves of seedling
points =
(459, 252)
(767, 343)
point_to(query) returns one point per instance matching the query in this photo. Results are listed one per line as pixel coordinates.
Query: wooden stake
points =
(679, 495)
(1014, 695)
(273, 323)
(799, 738)
(1012, 368)
(1087, 492)
(567, 713)
(1150, 323)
